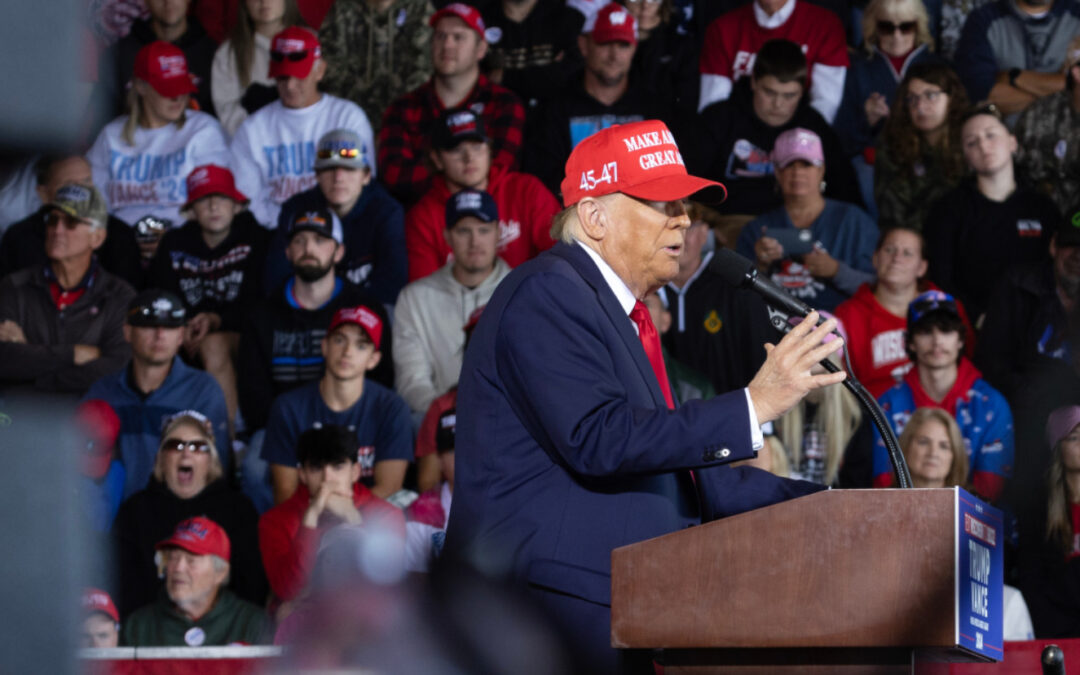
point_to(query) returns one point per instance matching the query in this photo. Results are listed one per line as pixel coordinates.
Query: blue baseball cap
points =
(476, 203)
(930, 301)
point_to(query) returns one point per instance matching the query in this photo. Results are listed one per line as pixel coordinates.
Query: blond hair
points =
(876, 8)
(215, 470)
(133, 106)
(840, 415)
(958, 472)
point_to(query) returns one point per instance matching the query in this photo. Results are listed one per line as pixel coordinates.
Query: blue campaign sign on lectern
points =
(979, 576)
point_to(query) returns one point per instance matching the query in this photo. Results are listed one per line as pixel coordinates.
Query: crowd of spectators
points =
(257, 275)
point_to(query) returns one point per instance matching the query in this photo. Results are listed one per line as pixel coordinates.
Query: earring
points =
(822, 187)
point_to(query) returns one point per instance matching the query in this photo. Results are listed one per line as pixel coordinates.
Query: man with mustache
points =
(944, 378)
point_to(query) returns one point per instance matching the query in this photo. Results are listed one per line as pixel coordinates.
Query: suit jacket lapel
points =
(588, 270)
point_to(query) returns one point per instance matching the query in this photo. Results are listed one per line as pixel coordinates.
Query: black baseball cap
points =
(455, 126)
(156, 308)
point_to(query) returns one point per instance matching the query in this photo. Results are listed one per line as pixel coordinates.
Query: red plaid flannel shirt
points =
(404, 137)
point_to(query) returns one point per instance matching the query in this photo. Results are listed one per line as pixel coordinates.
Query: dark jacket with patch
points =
(731, 144)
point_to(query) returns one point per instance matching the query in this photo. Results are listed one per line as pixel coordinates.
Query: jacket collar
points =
(620, 321)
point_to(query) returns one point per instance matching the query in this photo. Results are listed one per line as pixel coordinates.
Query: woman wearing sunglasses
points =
(187, 481)
(896, 36)
(918, 157)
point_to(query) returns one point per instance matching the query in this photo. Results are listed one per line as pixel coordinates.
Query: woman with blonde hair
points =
(187, 482)
(141, 160)
(240, 81)
(919, 155)
(818, 432)
(896, 36)
(934, 449)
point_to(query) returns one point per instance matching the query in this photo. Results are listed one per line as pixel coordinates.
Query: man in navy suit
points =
(568, 441)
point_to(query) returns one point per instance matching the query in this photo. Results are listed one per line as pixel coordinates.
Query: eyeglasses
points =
(289, 56)
(888, 27)
(178, 445)
(930, 96)
(344, 153)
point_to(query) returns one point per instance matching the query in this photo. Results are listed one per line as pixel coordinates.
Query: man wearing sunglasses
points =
(944, 378)
(23, 243)
(1011, 52)
(157, 384)
(274, 149)
(372, 221)
(60, 323)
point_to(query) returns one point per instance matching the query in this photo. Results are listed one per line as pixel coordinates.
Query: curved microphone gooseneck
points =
(739, 272)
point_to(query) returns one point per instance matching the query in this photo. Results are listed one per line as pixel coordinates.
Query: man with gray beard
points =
(602, 95)
(1031, 321)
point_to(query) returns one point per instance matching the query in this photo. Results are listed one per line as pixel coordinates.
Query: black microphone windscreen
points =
(733, 268)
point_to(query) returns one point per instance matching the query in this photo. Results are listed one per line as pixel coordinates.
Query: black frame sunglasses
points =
(289, 56)
(888, 27)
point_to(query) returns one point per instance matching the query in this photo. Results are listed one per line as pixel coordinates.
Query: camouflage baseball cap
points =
(82, 202)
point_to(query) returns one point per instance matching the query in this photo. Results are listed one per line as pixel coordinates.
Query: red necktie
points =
(650, 340)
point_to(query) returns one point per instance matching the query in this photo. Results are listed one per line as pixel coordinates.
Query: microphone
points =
(740, 272)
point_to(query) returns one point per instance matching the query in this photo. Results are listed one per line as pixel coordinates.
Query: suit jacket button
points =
(723, 453)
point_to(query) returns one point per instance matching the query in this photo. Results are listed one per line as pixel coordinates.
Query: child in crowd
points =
(214, 263)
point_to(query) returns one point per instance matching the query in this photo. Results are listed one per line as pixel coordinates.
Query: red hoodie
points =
(288, 549)
(526, 208)
(876, 339)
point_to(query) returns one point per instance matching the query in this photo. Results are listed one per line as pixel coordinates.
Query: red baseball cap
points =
(98, 420)
(614, 24)
(470, 15)
(164, 67)
(293, 52)
(211, 179)
(97, 600)
(361, 316)
(198, 535)
(639, 159)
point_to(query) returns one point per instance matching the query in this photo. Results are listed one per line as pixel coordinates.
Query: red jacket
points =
(288, 549)
(876, 339)
(526, 208)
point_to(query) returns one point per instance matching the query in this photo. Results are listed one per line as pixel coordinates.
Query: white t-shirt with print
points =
(274, 150)
(150, 177)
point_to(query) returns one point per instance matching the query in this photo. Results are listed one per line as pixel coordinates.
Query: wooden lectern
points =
(843, 581)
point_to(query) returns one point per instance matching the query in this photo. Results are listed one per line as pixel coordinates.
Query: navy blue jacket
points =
(565, 446)
(375, 257)
(869, 74)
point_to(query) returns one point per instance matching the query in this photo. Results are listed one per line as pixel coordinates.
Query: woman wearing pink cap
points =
(141, 159)
(817, 249)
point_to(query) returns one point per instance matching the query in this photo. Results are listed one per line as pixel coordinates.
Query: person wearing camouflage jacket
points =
(376, 50)
(1048, 132)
